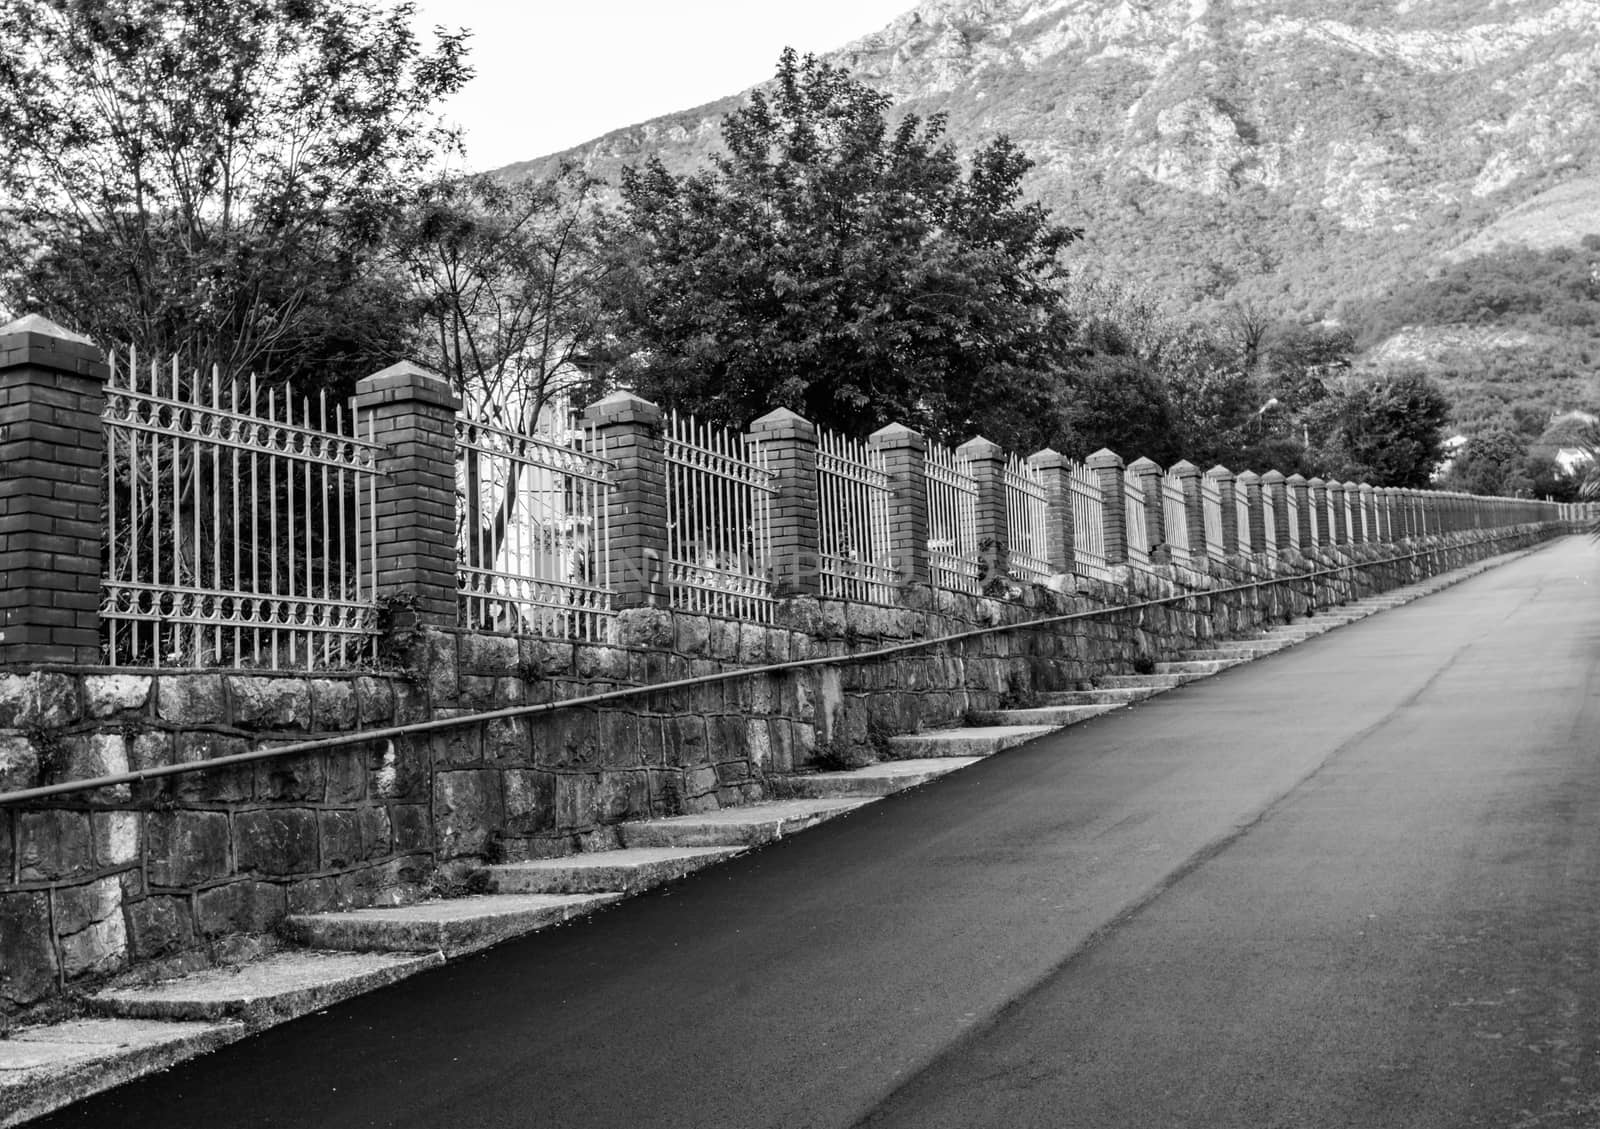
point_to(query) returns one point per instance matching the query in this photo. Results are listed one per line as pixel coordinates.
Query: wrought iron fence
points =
(1088, 523)
(1211, 507)
(1138, 532)
(853, 496)
(239, 523)
(719, 528)
(1027, 521)
(1175, 519)
(952, 521)
(532, 536)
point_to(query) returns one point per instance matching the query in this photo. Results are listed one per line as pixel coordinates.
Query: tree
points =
(209, 179)
(505, 278)
(844, 266)
(1493, 462)
(1386, 431)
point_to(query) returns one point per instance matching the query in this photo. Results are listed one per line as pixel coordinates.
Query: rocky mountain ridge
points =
(1288, 153)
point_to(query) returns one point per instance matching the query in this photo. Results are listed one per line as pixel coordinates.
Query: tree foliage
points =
(1388, 431)
(846, 266)
(211, 179)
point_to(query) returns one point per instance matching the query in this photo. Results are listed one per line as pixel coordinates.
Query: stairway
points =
(328, 957)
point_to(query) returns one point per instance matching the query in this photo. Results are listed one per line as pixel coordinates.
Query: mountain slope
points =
(1287, 152)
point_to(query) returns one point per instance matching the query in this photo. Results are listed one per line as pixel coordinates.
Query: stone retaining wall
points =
(177, 873)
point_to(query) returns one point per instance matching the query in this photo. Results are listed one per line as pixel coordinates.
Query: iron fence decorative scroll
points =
(533, 538)
(952, 521)
(719, 526)
(853, 496)
(1027, 521)
(236, 533)
(1175, 519)
(1088, 523)
(1138, 531)
(1211, 507)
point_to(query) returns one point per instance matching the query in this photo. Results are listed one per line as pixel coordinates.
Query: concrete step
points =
(1046, 715)
(626, 871)
(46, 1067)
(875, 779)
(1106, 696)
(1229, 655)
(748, 825)
(1196, 666)
(452, 926)
(973, 741)
(1151, 681)
(270, 990)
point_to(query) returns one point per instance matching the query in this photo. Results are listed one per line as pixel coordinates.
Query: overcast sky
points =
(555, 73)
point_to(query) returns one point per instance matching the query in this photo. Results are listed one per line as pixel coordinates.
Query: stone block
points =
(52, 701)
(577, 800)
(752, 644)
(7, 855)
(339, 840)
(529, 801)
(442, 674)
(728, 735)
(645, 628)
(107, 695)
(458, 746)
(476, 692)
(374, 702)
(89, 923)
(686, 740)
(53, 844)
(398, 769)
(29, 971)
(506, 740)
(619, 739)
(333, 705)
(186, 848)
(468, 811)
(150, 748)
(160, 925)
(488, 654)
(190, 699)
(700, 780)
(98, 754)
(277, 841)
(758, 740)
(116, 837)
(240, 907)
(694, 635)
(291, 778)
(277, 704)
(213, 785)
(373, 823)
(315, 895)
(344, 771)
(411, 828)
(19, 764)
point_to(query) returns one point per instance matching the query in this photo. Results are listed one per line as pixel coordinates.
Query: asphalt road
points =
(1353, 884)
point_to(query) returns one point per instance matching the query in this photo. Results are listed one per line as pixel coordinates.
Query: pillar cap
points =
(980, 448)
(623, 407)
(1247, 477)
(1317, 484)
(1296, 479)
(783, 421)
(1104, 457)
(1219, 471)
(1144, 465)
(36, 340)
(1272, 478)
(1183, 468)
(407, 380)
(898, 435)
(1049, 458)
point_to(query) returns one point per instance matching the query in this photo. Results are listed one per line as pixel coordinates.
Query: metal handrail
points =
(323, 744)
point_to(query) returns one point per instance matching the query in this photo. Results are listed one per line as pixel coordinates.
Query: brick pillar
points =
(1319, 501)
(1301, 490)
(1194, 507)
(1341, 532)
(1223, 477)
(790, 445)
(413, 414)
(1249, 482)
(628, 430)
(1383, 498)
(1055, 472)
(905, 458)
(1275, 486)
(52, 393)
(1155, 514)
(1352, 496)
(1369, 507)
(1107, 466)
(987, 461)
